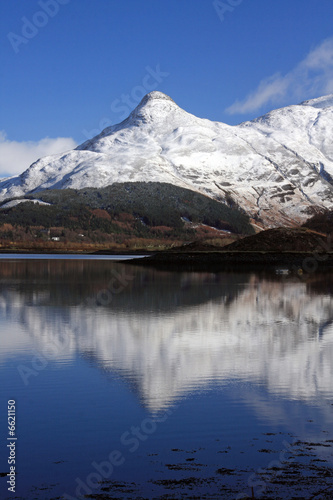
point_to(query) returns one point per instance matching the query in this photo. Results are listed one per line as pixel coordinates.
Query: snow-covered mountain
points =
(279, 167)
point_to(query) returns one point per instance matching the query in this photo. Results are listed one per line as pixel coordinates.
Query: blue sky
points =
(69, 68)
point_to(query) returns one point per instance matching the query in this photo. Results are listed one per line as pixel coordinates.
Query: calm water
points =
(136, 383)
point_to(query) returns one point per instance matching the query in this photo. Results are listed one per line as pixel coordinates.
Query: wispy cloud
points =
(313, 76)
(15, 157)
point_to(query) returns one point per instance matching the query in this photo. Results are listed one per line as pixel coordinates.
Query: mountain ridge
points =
(278, 168)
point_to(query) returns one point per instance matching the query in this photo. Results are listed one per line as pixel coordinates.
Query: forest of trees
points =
(126, 214)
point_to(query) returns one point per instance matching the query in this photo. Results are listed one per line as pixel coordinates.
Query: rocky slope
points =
(278, 168)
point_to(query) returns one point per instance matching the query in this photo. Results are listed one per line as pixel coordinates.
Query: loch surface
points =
(131, 382)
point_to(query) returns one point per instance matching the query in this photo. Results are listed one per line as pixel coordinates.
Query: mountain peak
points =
(154, 96)
(323, 102)
(154, 106)
(278, 169)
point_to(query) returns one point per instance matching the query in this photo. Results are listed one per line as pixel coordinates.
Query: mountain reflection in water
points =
(173, 333)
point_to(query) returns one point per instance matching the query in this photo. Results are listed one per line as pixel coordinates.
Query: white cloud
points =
(15, 157)
(312, 77)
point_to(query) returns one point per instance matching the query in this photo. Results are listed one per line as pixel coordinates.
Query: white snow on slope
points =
(276, 167)
(14, 203)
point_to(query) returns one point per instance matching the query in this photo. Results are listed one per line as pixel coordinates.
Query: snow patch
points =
(14, 203)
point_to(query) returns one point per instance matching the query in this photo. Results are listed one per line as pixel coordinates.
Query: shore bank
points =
(305, 262)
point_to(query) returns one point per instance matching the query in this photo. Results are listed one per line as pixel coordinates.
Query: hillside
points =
(277, 168)
(129, 214)
(300, 240)
(322, 222)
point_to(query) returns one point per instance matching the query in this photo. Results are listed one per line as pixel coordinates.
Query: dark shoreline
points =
(305, 262)
(64, 252)
(212, 261)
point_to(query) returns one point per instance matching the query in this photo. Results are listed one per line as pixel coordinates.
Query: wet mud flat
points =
(297, 479)
(299, 470)
(300, 475)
